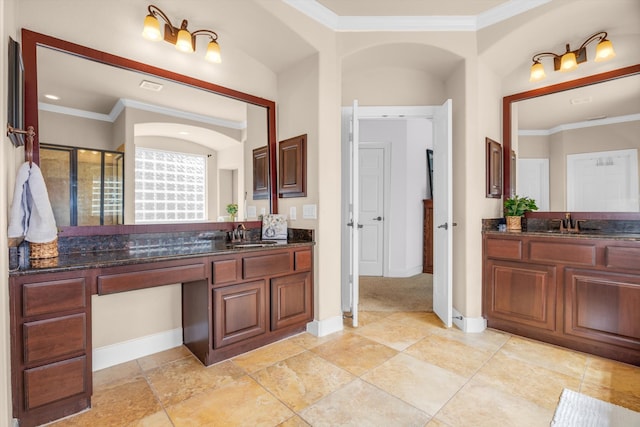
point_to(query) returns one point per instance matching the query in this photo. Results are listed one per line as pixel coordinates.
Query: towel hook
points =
(30, 133)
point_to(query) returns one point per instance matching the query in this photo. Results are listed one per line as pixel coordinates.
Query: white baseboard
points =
(469, 324)
(121, 352)
(320, 328)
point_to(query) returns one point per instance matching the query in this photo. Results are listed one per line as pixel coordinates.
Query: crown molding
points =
(124, 103)
(328, 18)
(580, 125)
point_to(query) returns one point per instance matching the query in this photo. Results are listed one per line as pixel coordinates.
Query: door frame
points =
(386, 189)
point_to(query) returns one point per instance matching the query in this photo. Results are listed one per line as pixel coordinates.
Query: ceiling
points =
(409, 7)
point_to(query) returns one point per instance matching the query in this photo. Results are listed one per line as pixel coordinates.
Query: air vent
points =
(146, 84)
(578, 101)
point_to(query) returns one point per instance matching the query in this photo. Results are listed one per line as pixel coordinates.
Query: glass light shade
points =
(537, 72)
(568, 62)
(213, 52)
(183, 42)
(604, 51)
(151, 30)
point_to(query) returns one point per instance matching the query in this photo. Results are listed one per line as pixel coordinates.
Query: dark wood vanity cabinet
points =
(254, 298)
(578, 292)
(51, 346)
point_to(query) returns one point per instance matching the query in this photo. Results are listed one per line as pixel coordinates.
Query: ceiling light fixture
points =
(183, 40)
(569, 60)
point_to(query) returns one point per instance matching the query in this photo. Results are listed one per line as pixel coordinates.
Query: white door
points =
(354, 213)
(371, 177)
(443, 214)
(533, 181)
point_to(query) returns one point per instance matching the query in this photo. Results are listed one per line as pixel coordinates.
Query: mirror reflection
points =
(577, 150)
(187, 151)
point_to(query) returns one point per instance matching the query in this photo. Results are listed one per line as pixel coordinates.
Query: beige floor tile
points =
(434, 422)
(241, 403)
(613, 375)
(295, 421)
(361, 404)
(423, 385)
(419, 319)
(153, 361)
(355, 353)
(392, 334)
(117, 406)
(480, 405)
(532, 382)
(159, 419)
(184, 378)
(557, 359)
(268, 355)
(621, 398)
(118, 374)
(450, 354)
(489, 339)
(302, 380)
(365, 318)
(309, 341)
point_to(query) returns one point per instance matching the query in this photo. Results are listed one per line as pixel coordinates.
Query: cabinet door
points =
(291, 300)
(239, 312)
(603, 306)
(521, 293)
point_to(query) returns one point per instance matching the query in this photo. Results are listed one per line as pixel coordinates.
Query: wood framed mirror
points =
(510, 131)
(33, 42)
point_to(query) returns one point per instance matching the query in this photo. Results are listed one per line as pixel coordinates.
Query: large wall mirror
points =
(103, 103)
(574, 145)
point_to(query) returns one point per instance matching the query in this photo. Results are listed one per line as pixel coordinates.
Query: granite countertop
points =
(139, 254)
(566, 235)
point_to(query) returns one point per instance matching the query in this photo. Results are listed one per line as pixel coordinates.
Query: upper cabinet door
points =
(292, 167)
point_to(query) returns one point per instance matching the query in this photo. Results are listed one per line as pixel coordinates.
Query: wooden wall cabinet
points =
(578, 292)
(494, 168)
(261, 173)
(292, 167)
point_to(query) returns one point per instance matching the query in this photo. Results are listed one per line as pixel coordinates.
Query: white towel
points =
(31, 215)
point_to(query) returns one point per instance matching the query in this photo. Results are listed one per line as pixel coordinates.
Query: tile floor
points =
(396, 369)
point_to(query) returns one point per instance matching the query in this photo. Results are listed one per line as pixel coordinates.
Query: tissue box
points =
(274, 227)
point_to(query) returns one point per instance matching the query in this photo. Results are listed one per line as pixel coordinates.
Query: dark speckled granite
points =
(99, 251)
(612, 229)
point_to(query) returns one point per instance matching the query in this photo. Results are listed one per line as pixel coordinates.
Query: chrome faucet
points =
(237, 235)
(569, 225)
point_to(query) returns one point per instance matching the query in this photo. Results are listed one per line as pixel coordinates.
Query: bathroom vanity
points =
(580, 291)
(234, 298)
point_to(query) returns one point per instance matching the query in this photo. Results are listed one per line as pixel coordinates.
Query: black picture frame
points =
(15, 93)
(429, 174)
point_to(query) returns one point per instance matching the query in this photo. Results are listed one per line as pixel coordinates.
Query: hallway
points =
(397, 368)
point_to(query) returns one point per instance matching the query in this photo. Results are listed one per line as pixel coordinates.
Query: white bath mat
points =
(579, 410)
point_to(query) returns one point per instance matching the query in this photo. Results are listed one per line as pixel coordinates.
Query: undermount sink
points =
(253, 244)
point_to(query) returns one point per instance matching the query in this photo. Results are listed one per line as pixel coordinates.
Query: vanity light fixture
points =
(569, 60)
(183, 40)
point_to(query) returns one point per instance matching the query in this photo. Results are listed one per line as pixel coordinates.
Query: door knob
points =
(379, 218)
(446, 225)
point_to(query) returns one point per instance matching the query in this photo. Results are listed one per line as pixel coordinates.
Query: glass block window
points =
(170, 187)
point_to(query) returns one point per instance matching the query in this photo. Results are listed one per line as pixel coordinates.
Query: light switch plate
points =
(292, 213)
(309, 211)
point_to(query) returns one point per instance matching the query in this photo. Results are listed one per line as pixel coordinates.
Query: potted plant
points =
(232, 210)
(515, 207)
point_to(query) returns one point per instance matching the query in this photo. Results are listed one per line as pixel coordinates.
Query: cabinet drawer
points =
(50, 383)
(113, 283)
(52, 297)
(224, 271)
(623, 257)
(302, 260)
(504, 248)
(53, 338)
(266, 265)
(565, 253)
